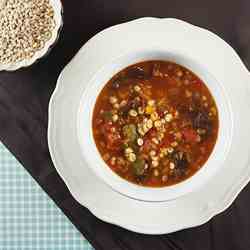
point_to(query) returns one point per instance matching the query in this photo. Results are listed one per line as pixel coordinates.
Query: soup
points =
(155, 123)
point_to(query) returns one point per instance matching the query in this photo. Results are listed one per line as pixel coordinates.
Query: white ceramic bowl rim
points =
(91, 154)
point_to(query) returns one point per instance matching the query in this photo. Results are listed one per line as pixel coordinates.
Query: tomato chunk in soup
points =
(155, 123)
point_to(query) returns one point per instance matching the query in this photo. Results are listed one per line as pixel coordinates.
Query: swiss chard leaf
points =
(130, 133)
(139, 167)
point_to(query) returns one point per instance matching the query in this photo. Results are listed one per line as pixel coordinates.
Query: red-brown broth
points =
(184, 118)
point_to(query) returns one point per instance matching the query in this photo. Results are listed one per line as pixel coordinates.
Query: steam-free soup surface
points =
(155, 123)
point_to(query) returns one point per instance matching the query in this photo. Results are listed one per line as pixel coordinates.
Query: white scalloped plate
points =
(187, 211)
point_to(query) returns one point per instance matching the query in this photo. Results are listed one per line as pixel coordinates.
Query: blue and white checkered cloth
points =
(29, 219)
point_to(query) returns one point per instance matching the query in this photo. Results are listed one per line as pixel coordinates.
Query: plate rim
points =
(235, 189)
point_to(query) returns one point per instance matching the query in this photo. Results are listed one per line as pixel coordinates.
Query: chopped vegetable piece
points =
(180, 159)
(139, 167)
(129, 131)
(136, 73)
(190, 135)
(107, 115)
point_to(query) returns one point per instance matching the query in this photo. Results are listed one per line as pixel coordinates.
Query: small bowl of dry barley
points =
(28, 29)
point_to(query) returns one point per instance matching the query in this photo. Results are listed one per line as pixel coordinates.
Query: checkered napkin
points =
(29, 219)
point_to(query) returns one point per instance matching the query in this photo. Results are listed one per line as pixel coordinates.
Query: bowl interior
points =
(92, 156)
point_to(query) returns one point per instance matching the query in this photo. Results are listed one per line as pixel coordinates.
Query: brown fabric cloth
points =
(24, 97)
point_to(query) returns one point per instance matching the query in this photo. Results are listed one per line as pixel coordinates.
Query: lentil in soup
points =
(155, 123)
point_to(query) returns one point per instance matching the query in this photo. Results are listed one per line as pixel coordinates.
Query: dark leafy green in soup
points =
(155, 123)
